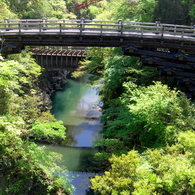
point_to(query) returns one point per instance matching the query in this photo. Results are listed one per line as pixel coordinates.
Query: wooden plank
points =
(164, 55)
(169, 64)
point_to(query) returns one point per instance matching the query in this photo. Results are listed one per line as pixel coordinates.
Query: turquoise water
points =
(77, 105)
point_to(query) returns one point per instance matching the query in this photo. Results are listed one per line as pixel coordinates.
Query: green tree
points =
(166, 171)
(5, 12)
(149, 116)
(94, 63)
(135, 10)
(174, 12)
(24, 166)
(39, 9)
(191, 9)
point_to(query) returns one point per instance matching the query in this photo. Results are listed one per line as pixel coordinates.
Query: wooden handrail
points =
(91, 21)
(84, 27)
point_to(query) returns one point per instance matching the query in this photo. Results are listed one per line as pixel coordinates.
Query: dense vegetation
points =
(148, 137)
(26, 167)
(149, 126)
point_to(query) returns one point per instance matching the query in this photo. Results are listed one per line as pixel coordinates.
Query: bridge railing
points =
(94, 27)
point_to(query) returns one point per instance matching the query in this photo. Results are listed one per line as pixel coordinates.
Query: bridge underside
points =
(170, 63)
(96, 40)
(57, 63)
(172, 57)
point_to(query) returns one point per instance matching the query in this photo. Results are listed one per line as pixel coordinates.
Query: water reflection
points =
(80, 165)
(77, 107)
(74, 158)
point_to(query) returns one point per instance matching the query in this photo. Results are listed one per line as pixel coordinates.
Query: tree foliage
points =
(94, 62)
(135, 10)
(39, 8)
(26, 167)
(174, 12)
(138, 113)
(5, 11)
(149, 116)
(167, 171)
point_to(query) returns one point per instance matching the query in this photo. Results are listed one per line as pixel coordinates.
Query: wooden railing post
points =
(39, 28)
(6, 20)
(182, 33)
(158, 25)
(101, 29)
(194, 29)
(44, 20)
(142, 31)
(175, 29)
(19, 26)
(120, 25)
(82, 21)
(60, 28)
(26, 24)
(162, 32)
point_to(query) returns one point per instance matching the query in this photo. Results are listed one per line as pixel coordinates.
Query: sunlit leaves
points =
(149, 116)
(38, 9)
(127, 10)
(161, 113)
(146, 10)
(9, 75)
(153, 172)
(153, 116)
(48, 130)
(120, 177)
(94, 62)
(23, 164)
(5, 12)
(110, 146)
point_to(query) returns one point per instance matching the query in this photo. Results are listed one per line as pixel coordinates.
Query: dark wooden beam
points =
(132, 51)
(155, 63)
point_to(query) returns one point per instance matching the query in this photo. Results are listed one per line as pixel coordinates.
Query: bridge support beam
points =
(53, 63)
(56, 59)
(177, 64)
(10, 49)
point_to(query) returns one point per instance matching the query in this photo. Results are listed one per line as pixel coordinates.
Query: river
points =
(77, 105)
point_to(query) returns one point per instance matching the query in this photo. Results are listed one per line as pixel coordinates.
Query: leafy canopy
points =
(24, 165)
(155, 172)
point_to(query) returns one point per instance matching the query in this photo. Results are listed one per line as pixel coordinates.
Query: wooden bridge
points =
(96, 33)
(55, 58)
(168, 47)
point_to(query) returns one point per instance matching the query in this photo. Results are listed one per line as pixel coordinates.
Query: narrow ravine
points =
(77, 105)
